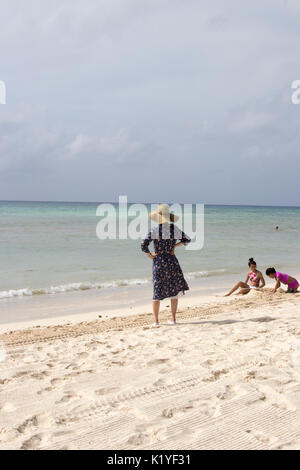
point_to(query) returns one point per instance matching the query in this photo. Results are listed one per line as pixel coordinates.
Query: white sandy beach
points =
(226, 377)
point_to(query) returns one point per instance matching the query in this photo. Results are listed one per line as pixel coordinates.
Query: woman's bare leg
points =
(155, 306)
(174, 306)
(243, 291)
(241, 285)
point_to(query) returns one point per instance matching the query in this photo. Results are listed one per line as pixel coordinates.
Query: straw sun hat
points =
(163, 215)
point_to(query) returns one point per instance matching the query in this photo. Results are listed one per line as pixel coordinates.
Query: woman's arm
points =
(145, 246)
(247, 278)
(262, 280)
(179, 244)
(176, 246)
(183, 240)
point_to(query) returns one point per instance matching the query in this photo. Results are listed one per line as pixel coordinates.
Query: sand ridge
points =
(33, 335)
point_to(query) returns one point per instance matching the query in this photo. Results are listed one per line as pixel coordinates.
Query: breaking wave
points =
(83, 286)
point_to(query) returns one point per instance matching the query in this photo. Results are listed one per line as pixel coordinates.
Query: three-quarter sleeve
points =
(145, 243)
(185, 239)
(181, 236)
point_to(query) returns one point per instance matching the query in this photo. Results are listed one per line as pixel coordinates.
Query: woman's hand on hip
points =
(176, 246)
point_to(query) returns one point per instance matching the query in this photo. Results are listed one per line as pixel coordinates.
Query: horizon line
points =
(136, 202)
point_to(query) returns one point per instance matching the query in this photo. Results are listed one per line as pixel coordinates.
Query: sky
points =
(159, 100)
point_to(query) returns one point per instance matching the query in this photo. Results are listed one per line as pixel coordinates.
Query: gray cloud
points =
(156, 99)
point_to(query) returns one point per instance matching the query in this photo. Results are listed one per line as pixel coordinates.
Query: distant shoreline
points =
(147, 203)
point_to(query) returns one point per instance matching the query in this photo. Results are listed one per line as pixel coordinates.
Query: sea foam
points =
(83, 286)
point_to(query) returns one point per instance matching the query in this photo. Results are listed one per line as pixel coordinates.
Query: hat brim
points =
(161, 218)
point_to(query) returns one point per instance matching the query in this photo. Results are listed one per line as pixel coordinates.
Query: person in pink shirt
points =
(291, 282)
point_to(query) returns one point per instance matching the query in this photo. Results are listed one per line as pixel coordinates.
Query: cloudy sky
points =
(160, 100)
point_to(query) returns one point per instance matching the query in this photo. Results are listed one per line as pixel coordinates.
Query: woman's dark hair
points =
(251, 262)
(270, 271)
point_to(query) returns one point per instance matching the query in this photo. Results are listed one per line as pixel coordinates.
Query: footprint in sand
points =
(216, 374)
(72, 366)
(69, 396)
(69, 447)
(208, 363)
(159, 383)
(210, 408)
(7, 434)
(251, 374)
(227, 394)
(105, 391)
(137, 440)
(157, 362)
(275, 398)
(116, 352)
(262, 437)
(46, 390)
(115, 363)
(291, 445)
(41, 421)
(5, 381)
(245, 339)
(40, 375)
(22, 374)
(35, 442)
(7, 408)
(50, 365)
(166, 370)
(57, 381)
(161, 344)
(144, 437)
(170, 412)
(83, 355)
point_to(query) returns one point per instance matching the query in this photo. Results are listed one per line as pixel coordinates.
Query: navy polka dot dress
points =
(168, 279)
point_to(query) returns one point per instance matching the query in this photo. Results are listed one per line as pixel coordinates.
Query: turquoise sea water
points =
(53, 247)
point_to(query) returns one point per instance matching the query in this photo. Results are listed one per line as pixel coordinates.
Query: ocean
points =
(52, 248)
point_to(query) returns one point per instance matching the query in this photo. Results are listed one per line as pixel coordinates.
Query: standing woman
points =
(168, 279)
(254, 278)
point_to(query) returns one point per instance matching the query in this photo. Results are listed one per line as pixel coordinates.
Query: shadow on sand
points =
(227, 322)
